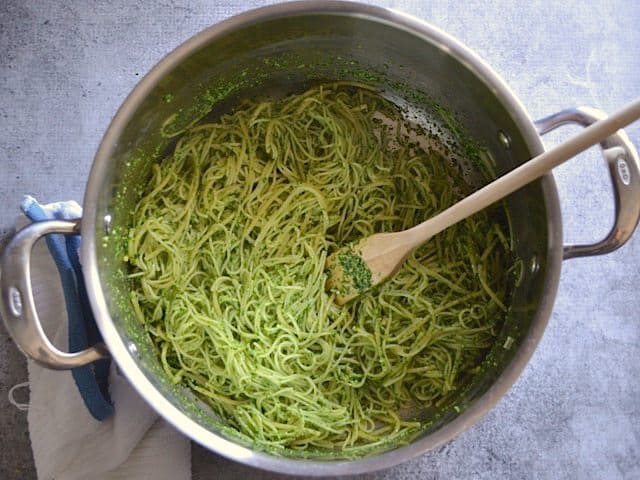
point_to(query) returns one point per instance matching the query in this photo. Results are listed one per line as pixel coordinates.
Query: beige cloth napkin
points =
(67, 442)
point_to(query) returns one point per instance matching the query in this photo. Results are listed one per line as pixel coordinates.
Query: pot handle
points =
(17, 306)
(624, 168)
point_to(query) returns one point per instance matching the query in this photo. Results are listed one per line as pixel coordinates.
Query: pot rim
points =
(124, 357)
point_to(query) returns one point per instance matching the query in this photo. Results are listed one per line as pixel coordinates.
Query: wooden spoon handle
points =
(521, 176)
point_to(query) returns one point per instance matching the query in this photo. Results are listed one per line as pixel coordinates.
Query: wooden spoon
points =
(360, 266)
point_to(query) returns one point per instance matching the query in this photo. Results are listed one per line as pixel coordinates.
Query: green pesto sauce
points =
(116, 243)
(356, 270)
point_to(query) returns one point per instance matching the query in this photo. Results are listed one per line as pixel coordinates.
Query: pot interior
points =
(285, 54)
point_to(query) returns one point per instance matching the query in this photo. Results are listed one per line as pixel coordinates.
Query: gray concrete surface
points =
(65, 67)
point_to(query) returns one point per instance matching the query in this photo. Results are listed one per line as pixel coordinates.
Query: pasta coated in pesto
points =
(227, 253)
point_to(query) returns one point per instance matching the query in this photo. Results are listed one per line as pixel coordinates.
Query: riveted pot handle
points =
(624, 168)
(18, 307)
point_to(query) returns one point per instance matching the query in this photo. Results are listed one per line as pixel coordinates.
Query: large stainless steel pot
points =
(288, 45)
